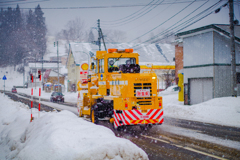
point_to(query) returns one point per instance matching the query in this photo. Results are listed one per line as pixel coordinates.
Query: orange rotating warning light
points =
(112, 50)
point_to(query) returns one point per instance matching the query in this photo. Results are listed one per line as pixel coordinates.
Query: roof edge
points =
(211, 26)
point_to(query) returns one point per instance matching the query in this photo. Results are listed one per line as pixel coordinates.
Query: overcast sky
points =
(135, 17)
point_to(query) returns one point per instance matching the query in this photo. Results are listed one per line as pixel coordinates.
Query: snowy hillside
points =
(164, 53)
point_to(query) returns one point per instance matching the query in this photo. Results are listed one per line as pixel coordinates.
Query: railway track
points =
(160, 144)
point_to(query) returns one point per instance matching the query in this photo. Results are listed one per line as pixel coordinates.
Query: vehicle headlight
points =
(153, 77)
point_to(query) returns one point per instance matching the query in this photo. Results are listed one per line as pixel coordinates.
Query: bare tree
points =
(115, 35)
(74, 31)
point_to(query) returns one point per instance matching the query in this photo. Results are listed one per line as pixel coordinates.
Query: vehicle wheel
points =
(119, 128)
(93, 118)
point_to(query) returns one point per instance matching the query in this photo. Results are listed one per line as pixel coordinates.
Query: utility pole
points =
(35, 70)
(233, 55)
(42, 73)
(99, 35)
(58, 65)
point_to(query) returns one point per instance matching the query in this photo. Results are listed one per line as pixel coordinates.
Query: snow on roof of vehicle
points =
(163, 53)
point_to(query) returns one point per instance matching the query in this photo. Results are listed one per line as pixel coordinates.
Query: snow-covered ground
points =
(57, 135)
(68, 96)
(221, 111)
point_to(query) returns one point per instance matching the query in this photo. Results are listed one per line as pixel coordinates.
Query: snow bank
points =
(57, 135)
(222, 111)
(68, 96)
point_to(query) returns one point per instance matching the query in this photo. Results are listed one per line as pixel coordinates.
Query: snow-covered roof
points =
(162, 53)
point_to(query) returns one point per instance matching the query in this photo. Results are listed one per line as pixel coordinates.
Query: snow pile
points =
(57, 135)
(68, 96)
(222, 111)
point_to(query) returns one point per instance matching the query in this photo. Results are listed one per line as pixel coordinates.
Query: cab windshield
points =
(114, 63)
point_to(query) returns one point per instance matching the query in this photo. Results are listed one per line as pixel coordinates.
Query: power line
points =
(22, 3)
(188, 21)
(139, 16)
(11, 1)
(145, 22)
(163, 22)
(113, 6)
(130, 14)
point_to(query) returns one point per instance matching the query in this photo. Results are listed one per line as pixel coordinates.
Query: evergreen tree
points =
(18, 37)
(41, 30)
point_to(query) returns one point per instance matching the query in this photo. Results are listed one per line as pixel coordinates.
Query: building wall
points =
(201, 90)
(222, 58)
(222, 81)
(208, 56)
(198, 72)
(178, 60)
(73, 71)
(64, 60)
(54, 80)
(198, 49)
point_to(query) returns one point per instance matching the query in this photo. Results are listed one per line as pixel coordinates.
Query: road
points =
(175, 139)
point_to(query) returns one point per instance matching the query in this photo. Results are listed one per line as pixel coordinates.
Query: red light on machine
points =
(112, 50)
(126, 105)
(129, 50)
(160, 104)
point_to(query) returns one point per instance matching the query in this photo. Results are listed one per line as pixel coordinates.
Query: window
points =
(101, 66)
(238, 77)
(115, 62)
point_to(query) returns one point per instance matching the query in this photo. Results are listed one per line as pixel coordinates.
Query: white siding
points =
(198, 72)
(222, 49)
(201, 90)
(198, 49)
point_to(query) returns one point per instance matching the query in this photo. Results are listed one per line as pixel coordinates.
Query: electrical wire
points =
(128, 20)
(23, 3)
(148, 9)
(130, 14)
(163, 22)
(187, 25)
(186, 22)
(113, 6)
(145, 22)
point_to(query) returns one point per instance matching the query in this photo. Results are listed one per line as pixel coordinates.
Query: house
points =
(34, 66)
(160, 55)
(207, 62)
(51, 76)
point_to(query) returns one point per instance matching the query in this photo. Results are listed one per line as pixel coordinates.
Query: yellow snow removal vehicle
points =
(116, 90)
